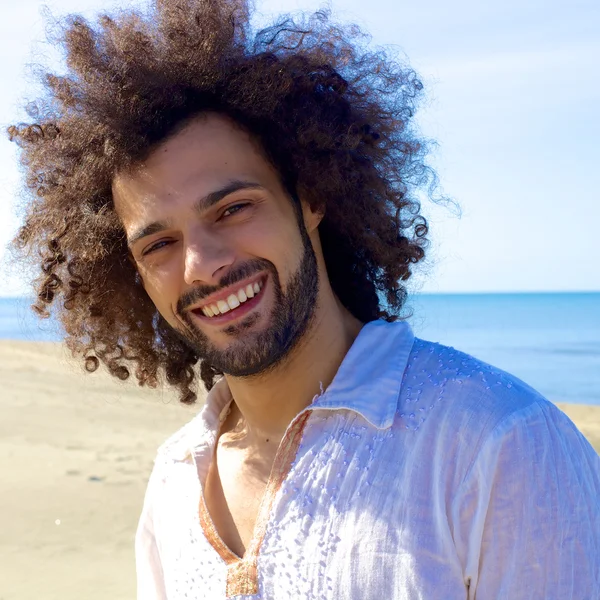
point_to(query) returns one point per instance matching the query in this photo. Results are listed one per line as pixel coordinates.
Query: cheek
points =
(281, 246)
(276, 236)
(162, 289)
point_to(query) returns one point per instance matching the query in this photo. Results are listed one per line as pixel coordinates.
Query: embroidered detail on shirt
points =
(242, 578)
(212, 536)
(242, 573)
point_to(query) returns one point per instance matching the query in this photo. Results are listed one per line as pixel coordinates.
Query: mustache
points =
(239, 273)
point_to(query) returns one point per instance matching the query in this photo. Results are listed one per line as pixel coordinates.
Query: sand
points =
(75, 454)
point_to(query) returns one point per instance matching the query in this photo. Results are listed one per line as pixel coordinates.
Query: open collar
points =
(367, 382)
(369, 379)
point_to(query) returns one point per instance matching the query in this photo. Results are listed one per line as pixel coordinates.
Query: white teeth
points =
(233, 301)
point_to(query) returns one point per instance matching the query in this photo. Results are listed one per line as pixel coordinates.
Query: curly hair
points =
(332, 115)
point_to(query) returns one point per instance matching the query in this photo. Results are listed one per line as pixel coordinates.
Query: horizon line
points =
(432, 293)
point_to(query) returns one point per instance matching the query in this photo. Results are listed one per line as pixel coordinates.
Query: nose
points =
(206, 256)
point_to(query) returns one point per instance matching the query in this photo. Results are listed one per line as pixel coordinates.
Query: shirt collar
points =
(367, 382)
(369, 379)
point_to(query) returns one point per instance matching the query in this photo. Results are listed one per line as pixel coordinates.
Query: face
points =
(223, 252)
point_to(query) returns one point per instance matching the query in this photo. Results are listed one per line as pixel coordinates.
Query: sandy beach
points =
(75, 454)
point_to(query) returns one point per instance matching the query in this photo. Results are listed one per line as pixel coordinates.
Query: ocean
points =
(551, 341)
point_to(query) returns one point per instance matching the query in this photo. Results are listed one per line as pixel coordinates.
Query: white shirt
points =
(419, 473)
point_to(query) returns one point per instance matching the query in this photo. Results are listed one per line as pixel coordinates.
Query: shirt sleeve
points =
(150, 580)
(527, 518)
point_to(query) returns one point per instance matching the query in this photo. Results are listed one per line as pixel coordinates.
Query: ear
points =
(312, 216)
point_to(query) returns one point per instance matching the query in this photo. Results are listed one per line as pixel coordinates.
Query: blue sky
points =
(513, 90)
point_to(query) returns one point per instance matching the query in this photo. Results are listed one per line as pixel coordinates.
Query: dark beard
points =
(251, 353)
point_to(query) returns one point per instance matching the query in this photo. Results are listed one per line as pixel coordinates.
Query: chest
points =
(343, 524)
(234, 491)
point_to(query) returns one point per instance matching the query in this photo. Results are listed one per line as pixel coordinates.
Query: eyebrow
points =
(200, 206)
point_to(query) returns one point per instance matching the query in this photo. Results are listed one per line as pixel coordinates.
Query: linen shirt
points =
(419, 473)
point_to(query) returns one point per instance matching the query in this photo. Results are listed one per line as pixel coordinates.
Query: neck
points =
(265, 405)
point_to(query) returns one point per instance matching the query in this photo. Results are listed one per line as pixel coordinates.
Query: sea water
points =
(551, 341)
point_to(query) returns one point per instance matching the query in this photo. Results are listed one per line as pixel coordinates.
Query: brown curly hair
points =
(332, 115)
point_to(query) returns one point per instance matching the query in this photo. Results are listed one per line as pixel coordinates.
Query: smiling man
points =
(236, 206)
(225, 254)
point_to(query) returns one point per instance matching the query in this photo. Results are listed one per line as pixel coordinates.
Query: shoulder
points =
(468, 402)
(439, 376)
(477, 417)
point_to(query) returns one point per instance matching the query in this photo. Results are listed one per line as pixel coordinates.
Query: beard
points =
(256, 352)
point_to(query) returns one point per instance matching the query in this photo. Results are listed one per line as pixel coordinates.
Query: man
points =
(203, 195)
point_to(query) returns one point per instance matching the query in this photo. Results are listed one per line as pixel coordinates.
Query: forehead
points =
(206, 154)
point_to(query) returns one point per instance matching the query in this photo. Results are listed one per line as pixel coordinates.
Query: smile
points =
(231, 303)
(235, 299)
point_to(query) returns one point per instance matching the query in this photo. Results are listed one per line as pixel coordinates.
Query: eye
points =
(156, 246)
(234, 208)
